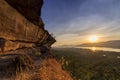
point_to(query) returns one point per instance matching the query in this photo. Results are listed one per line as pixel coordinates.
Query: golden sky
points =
(72, 22)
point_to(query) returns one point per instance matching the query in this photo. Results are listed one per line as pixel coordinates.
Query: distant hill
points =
(110, 44)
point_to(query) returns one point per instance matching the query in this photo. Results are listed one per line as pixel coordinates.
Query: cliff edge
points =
(21, 25)
(25, 45)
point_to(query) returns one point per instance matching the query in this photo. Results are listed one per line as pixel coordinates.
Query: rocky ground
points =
(15, 65)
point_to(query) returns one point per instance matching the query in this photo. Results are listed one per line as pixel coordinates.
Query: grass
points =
(87, 65)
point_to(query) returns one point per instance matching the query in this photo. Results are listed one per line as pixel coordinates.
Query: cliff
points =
(21, 24)
(31, 9)
(22, 36)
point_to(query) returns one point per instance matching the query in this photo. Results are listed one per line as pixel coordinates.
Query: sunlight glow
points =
(93, 48)
(93, 39)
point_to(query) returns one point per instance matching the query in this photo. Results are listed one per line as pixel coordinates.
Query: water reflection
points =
(101, 49)
(93, 49)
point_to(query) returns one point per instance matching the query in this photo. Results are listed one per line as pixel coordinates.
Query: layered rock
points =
(21, 25)
(31, 9)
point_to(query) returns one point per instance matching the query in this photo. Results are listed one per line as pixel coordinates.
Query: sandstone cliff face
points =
(22, 27)
(31, 9)
(20, 24)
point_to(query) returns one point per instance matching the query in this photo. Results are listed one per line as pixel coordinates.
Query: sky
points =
(72, 21)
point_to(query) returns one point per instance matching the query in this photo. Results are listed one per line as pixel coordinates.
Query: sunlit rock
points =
(19, 24)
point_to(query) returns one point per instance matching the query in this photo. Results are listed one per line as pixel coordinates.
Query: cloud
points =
(71, 21)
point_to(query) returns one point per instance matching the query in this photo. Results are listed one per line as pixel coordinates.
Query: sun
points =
(93, 39)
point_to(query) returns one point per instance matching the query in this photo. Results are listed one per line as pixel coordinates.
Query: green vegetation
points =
(88, 65)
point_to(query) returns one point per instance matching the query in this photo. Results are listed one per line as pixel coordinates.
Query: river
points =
(101, 49)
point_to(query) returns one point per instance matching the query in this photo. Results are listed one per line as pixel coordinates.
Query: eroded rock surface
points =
(21, 25)
(31, 9)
